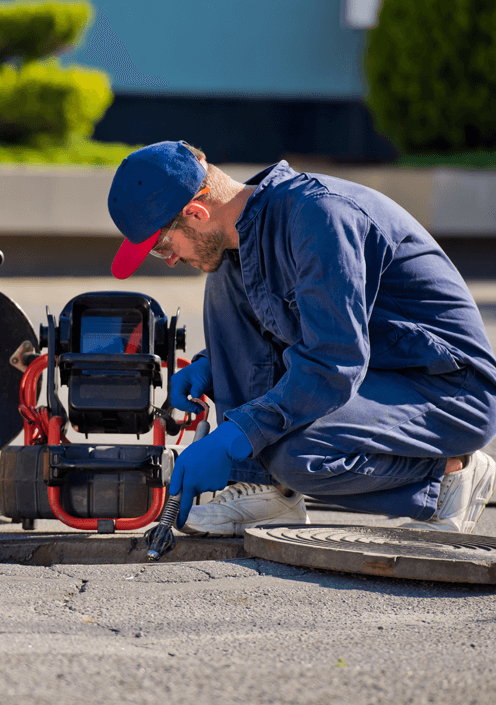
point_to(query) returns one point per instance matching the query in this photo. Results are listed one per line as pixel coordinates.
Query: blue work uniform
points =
(346, 346)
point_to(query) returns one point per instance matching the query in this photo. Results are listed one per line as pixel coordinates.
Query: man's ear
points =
(196, 210)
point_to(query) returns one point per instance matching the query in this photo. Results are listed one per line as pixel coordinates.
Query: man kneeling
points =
(345, 355)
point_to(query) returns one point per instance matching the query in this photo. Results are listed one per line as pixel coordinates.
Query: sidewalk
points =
(245, 631)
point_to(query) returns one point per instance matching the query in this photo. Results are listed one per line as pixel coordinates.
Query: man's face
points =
(202, 248)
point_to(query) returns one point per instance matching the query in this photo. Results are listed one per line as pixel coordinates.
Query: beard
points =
(209, 247)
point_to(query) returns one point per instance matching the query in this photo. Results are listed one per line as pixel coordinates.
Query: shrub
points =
(75, 152)
(31, 31)
(431, 67)
(47, 112)
(43, 98)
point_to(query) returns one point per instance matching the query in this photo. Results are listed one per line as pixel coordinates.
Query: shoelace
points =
(239, 489)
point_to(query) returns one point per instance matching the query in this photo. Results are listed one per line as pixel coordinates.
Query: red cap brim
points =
(130, 256)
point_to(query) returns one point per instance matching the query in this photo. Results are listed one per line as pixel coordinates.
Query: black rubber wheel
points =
(15, 328)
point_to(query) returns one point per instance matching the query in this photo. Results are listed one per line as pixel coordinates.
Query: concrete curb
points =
(73, 200)
(446, 201)
(97, 549)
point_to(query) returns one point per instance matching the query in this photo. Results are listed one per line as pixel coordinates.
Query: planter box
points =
(73, 200)
(447, 201)
(55, 201)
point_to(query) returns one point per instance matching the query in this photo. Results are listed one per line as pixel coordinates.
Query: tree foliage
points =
(431, 66)
(44, 98)
(46, 110)
(30, 31)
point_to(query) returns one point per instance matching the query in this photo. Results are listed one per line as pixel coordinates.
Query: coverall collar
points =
(268, 177)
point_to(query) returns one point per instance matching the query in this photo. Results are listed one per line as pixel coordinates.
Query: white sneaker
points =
(463, 496)
(242, 506)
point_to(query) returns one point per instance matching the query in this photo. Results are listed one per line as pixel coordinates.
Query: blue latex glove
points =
(205, 466)
(193, 380)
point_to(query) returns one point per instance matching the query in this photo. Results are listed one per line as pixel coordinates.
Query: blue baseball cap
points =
(150, 188)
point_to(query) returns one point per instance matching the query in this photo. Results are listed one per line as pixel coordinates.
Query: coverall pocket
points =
(382, 337)
(415, 348)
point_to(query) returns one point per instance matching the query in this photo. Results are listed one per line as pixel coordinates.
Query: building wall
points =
(226, 47)
(249, 82)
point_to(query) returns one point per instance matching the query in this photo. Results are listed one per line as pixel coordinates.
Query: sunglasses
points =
(163, 250)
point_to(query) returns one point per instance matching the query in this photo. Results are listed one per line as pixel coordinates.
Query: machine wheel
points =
(15, 328)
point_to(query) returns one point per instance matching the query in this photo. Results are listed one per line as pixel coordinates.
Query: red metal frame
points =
(120, 524)
(159, 432)
(123, 524)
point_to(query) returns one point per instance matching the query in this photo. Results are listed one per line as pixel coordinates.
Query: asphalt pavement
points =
(241, 629)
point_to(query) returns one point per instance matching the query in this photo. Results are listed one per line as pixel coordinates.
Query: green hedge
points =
(43, 98)
(465, 160)
(77, 152)
(31, 31)
(431, 66)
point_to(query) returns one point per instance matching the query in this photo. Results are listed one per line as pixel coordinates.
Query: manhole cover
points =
(394, 553)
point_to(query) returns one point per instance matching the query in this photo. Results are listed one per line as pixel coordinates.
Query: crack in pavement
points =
(81, 588)
(183, 573)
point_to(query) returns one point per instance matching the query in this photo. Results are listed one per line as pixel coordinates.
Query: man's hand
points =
(193, 380)
(205, 466)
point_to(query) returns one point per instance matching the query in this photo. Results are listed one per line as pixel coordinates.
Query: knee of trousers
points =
(289, 467)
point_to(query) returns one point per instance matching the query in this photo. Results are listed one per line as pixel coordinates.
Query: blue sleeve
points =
(334, 291)
(196, 356)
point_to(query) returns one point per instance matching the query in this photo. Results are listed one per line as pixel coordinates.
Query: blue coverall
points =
(346, 346)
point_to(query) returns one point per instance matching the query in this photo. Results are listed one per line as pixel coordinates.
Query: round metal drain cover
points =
(393, 553)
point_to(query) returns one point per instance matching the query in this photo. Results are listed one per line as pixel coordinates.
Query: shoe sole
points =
(238, 531)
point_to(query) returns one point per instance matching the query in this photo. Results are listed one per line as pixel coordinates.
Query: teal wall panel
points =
(287, 48)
